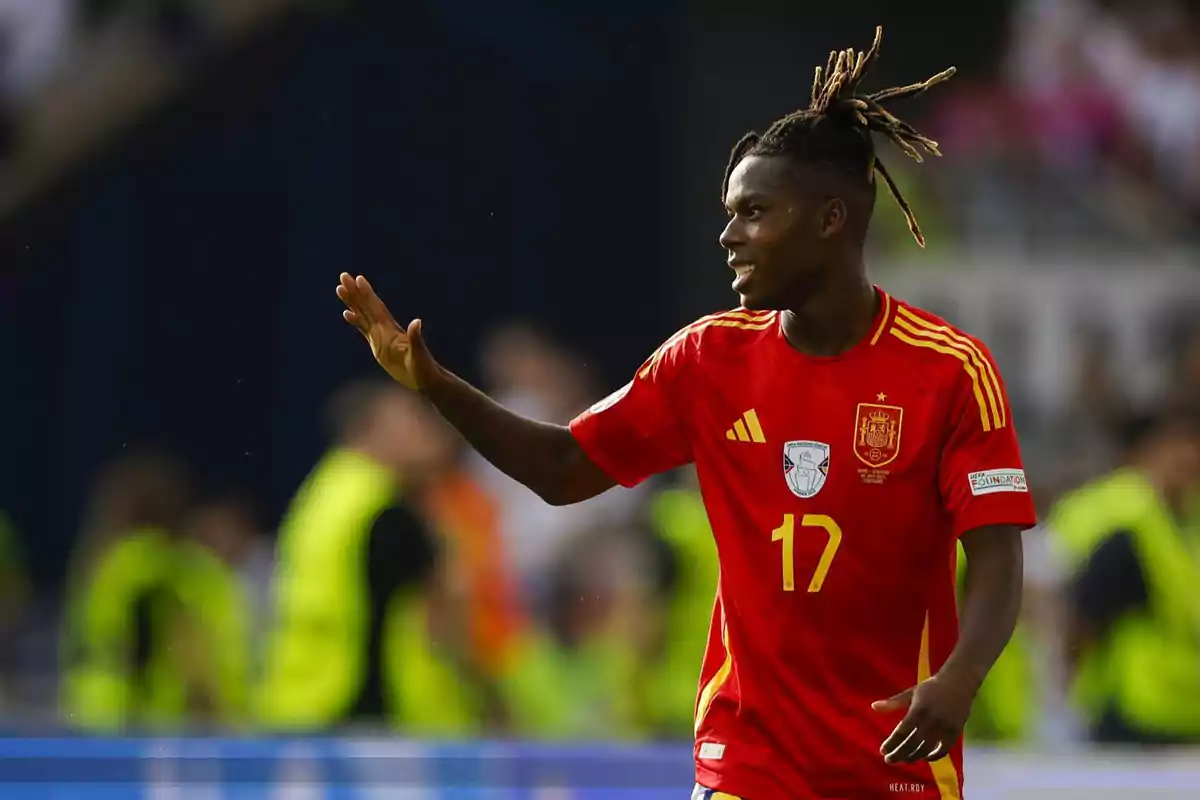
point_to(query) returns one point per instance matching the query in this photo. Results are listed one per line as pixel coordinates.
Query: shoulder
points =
(717, 334)
(957, 361)
(926, 337)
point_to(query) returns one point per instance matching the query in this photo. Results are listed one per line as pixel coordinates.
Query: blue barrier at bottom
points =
(365, 769)
(335, 769)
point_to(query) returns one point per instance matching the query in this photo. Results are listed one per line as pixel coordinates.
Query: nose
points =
(733, 235)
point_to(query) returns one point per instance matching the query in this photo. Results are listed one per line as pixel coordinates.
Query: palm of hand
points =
(389, 342)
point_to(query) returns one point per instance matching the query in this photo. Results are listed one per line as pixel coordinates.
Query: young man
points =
(844, 442)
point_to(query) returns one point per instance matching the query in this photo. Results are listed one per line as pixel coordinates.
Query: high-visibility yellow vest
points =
(427, 695)
(588, 692)
(672, 683)
(198, 621)
(1083, 518)
(1148, 668)
(1154, 655)
(315, 660)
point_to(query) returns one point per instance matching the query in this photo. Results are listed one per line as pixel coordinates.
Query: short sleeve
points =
(981, 475)
(637, 431)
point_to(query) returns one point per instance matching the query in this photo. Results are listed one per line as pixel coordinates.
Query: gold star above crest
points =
(881, 397)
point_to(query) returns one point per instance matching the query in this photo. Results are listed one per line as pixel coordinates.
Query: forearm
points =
(991, 602)
(542, 456)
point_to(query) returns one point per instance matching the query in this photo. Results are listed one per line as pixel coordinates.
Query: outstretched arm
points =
(544, 457)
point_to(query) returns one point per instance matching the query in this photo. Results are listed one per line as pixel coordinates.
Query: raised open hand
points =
(402, 353)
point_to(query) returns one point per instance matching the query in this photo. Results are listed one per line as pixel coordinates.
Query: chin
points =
(756, 302)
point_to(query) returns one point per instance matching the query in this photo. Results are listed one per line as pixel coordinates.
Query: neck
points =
(834, 319)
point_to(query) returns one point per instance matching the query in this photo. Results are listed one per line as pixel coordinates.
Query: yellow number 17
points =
(786, 533)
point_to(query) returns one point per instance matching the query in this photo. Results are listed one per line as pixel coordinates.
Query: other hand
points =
(937, 713)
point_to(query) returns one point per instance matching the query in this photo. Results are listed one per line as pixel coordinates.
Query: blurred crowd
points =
(1087, 133)
(48, 47)
(1085, 129)
(73, 73)
(410, 587)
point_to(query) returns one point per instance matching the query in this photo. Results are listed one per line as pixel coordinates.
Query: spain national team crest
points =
(805, 467)
(877, 434)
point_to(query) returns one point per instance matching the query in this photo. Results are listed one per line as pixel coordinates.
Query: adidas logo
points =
(746, 429)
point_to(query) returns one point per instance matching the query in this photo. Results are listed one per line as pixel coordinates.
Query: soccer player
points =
(844, 441)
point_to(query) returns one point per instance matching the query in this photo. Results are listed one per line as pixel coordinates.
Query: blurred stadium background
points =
(236, 565)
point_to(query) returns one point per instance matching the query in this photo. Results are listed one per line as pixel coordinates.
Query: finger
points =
(374, 307)
(355, 320)
(898, 736)
(415, 335)
(904, 749)
(939, 752)
(895, 702)
(352, 302)
(415, 339)
(930, 744)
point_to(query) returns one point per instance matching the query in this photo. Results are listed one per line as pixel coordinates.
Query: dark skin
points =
(804, 240)
(792, 229)
(939, 706)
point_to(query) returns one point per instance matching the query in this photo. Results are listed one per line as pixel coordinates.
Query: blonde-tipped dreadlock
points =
(817, 133)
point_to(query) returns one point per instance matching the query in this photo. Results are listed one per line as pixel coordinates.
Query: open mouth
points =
(743, 272)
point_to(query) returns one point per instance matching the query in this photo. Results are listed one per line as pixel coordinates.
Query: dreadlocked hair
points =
(836, 127)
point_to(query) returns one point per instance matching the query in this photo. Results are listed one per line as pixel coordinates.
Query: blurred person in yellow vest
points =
(1132, 554)
(682, 608)
(154, 631)
(226, 523)
(369, 611)
(577, 677)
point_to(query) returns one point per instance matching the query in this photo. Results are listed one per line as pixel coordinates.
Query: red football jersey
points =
(836, 489)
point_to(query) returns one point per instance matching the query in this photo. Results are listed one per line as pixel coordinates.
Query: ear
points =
(832, 218)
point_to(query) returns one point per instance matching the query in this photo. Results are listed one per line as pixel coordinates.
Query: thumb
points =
(895, 702)
(415, 337)
(420, 351)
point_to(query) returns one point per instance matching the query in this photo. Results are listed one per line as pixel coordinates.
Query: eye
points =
(753, 212)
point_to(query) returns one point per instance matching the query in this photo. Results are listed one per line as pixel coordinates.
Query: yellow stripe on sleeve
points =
(746, 320)
(987, 372)
(961, 356)
(921, 333)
